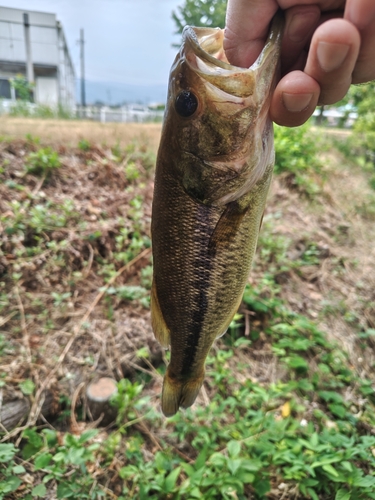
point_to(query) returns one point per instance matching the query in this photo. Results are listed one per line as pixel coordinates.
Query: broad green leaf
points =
(312, 494)
(245, 477)
(29, 450)
(314, 440)
(87, 435)
(342, 494)
(10, 484)
(189, 469)
(128, 471)
(234, 448)
(233, 465)
(328, 468)
(75, 456)
(332, 396)
(27, 387)
(251, 465)
(347, 465)
(33, 437)
(7, 452)
(59, 457)
(365, 482)
(200, 461)
(51, 436)
(262, 487)
(195, 493)
(298, 363)
(338, 410)
(162, 462)
(325, 461)
(217, 459)
(18, 469)
(171, 479)
(63, 491)
(42, 461)
(39, 491)
(70, 440)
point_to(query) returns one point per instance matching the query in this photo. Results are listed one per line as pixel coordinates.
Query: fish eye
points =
(186, 103)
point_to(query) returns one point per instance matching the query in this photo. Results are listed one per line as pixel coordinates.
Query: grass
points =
(58, 133)
(288, 406)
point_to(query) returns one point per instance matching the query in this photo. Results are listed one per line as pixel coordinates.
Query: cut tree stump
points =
(99, 394)
(15, 412)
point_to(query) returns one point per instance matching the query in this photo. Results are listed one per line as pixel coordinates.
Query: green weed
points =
(250, 438)
(296, 154)
(131, 293)
(42, 162)
(84, 145)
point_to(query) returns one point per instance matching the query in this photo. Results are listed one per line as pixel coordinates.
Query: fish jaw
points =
(212, 177)
(231, 126)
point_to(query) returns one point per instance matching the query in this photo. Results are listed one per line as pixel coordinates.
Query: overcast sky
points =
(127, 41)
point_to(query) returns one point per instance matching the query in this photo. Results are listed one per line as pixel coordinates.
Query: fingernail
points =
(331, 55)
(361, 14)
(296, 102)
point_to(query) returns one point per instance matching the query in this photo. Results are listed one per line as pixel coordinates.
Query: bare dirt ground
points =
(75, 260)
(336, 288)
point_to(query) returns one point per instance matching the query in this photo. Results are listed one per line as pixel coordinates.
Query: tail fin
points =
(178, 393)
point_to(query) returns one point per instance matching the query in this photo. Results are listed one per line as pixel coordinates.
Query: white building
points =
(33, 43)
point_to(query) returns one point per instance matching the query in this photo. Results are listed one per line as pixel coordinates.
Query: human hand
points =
(327, 45)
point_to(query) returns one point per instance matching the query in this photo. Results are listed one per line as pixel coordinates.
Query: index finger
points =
(248, 22)
(247, 25)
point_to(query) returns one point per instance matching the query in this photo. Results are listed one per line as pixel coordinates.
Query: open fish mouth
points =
(205, 55)
(242, 94)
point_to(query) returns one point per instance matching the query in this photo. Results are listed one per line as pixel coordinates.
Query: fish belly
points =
(199, 277)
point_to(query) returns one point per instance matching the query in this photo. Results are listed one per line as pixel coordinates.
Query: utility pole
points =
(29, 61)
(83, 95)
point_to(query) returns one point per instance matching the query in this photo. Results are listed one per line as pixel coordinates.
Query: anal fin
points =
(225, 326)
(159, 326)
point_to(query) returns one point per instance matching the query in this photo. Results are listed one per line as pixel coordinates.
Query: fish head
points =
(216, 120)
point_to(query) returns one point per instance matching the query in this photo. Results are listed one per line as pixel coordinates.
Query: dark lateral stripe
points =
(202, 265)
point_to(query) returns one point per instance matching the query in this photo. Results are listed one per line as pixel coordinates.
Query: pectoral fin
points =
(228, 225)
(159, 326)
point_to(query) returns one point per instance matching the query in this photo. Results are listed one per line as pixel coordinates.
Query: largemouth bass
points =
(213, 172)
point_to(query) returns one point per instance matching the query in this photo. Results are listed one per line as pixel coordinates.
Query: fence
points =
(129, 113)
(139, 113)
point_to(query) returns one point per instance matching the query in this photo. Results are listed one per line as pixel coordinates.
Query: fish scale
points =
(213, 173)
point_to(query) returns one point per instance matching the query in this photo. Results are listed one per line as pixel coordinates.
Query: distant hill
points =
(112, 93)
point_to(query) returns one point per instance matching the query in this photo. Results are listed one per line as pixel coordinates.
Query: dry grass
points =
(97, 196)
(70, 132)
(337, 290)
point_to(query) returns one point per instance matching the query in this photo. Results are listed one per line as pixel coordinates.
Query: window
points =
(4, 89)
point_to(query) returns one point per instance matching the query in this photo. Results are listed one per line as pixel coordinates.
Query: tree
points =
(24, 89)
(209, 13)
